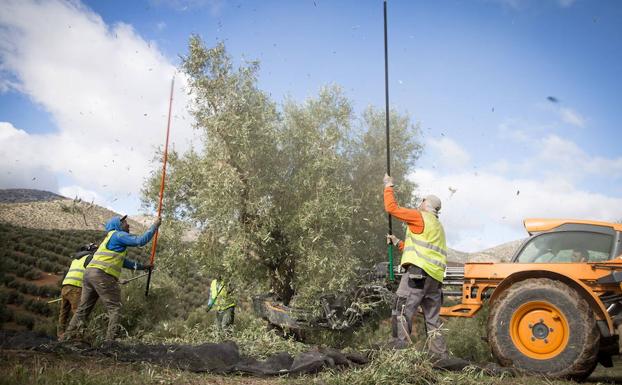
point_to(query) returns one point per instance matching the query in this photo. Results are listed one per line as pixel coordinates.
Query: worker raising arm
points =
(424, 255)
(101, 278)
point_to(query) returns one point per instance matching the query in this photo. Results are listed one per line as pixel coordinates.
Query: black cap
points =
(123, 218)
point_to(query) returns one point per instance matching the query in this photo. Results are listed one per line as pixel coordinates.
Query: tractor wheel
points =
(543, 326)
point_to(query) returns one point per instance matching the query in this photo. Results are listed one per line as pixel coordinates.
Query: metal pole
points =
(386, 97)
(155, 238)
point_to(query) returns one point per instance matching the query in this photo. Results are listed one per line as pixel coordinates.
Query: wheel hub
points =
(539, 330)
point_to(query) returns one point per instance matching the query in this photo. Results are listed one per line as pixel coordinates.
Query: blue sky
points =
(474, 74)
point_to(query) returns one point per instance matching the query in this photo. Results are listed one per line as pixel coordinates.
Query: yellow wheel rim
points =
(539, 330)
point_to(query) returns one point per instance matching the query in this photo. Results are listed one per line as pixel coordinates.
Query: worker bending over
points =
(424, 258)
(71, 290)
(101, 279)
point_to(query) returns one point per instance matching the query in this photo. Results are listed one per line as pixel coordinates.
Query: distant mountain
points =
(500, 253)
(457, 257)
(45, 210)
(23, 195)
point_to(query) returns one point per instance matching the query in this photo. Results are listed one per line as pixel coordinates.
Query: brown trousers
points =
(70, 299)
(411, 294)
(97, 284)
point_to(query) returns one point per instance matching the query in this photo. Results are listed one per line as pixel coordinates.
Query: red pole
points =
(155, 237)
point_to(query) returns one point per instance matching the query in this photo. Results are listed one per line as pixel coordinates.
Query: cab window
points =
(567, 247)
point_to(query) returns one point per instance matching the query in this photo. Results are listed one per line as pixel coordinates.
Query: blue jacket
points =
(120, 240)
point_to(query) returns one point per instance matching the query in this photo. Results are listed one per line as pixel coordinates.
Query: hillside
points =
(32, 265)
(45, 210)
(39, 231)
(22, 195)
(500, 253)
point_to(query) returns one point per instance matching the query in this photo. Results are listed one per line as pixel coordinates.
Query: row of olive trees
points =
(287, 197)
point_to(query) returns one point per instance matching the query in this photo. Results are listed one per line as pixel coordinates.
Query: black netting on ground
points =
(215, 358)
(208, 357)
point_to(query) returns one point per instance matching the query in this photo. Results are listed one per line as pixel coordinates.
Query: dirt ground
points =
(47, 279)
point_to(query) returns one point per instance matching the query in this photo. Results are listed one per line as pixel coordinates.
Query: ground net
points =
(208, 357)
(213, 357)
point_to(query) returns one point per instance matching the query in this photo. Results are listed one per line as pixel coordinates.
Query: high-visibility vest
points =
(427, 250)
(110, 261)
(219, 296)
(75, 275)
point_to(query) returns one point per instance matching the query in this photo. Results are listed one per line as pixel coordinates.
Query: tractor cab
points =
(569, 241)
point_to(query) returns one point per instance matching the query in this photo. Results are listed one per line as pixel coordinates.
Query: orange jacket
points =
(412, 217)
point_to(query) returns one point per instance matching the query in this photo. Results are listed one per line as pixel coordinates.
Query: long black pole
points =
(386, 97)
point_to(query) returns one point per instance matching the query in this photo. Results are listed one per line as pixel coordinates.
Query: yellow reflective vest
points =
(219, 296)
(75, 275)
(110, 261)
(427, 250)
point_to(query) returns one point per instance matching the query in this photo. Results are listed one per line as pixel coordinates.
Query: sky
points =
(517, 100)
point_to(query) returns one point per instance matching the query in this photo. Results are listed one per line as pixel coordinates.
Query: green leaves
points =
(279, 194)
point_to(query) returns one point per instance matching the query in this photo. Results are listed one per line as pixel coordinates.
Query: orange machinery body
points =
(484, 280)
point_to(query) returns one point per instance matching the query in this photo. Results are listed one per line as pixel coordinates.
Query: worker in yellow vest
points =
(71, 290)
(424, 258)
(101, 279)
(221, 300)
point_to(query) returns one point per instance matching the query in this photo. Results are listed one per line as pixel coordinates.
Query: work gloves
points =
(388, 181)
(392, 239)
(157, 222)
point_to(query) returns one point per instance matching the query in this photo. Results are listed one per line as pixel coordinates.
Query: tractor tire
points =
(543, 326)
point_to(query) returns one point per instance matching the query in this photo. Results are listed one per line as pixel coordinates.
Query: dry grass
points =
(62, 214)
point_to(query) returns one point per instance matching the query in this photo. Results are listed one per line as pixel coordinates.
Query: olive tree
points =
(286, 198)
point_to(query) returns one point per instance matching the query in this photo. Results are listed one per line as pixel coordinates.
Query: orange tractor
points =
(556, 308)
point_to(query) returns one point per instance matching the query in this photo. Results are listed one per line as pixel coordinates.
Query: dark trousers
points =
(97, 284)
(411, 294)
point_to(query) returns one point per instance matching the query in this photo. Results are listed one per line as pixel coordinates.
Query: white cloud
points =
(551, 179)
(20, 165)
(509, 130)
(488, 209)
(449, 153)
(106, 88)
(571, 117)
(8, 131)
(565, 159)
(80, 192)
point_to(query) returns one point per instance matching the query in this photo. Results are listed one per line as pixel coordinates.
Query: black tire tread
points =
(584, 363)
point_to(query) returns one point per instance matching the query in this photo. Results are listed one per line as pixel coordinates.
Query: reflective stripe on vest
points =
(219, 296)
(427, 250)
(75, 275)
(109, 261)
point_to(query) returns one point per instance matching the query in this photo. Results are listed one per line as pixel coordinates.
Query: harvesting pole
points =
(386, 98)
(155, 237)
